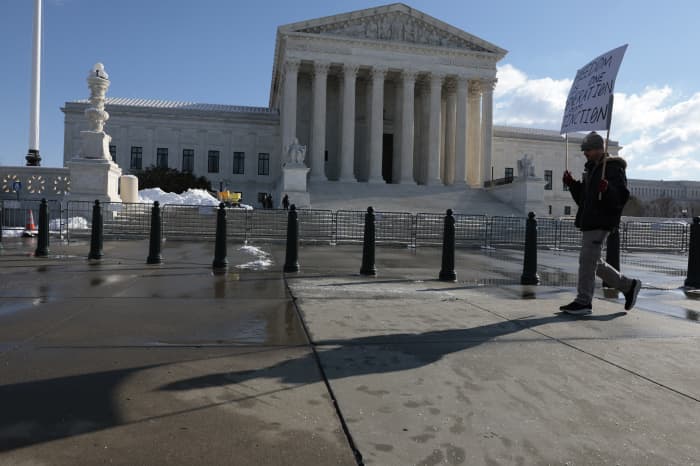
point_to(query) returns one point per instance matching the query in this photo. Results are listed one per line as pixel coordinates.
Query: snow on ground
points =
(262, 262)
(189, 197)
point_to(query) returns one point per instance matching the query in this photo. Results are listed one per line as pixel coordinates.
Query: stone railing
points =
(51, 183)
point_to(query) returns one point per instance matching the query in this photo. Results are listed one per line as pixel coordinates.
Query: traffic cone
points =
(30, 228)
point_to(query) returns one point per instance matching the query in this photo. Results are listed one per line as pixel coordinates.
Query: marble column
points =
(434, 129)
(376, 133)
(318, 128)
(347, 148)
(487, 87)
(461, 132)
(450, 127)
(289, 103)
(407, 125)
(474, 138)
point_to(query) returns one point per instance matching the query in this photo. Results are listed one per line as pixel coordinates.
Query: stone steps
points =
(333, 195)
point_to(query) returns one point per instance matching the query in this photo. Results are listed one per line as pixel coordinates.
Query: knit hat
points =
(592, 140)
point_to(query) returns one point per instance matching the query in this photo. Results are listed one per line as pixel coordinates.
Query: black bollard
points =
(154, 256)
(2, 215)
(693, 279)
(291, 261)
(96, 234)
(368, 244)
(529, 276)
(220, 261)
(612, 251)
(42, 246)
(447, 271)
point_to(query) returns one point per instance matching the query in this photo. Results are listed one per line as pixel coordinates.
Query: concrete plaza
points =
(123, 363)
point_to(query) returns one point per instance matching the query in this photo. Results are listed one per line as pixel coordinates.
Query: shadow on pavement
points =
(412, 351)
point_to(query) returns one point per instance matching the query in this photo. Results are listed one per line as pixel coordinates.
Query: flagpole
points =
(566, 162)
(33, 158)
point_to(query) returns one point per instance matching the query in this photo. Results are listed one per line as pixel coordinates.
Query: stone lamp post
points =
(94, 175)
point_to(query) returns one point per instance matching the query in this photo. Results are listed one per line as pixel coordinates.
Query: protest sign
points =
(589, 104)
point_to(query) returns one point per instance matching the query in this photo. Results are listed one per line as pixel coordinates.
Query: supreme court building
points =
(381, 95)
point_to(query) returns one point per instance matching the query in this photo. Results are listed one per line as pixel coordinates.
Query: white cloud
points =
(658, 129)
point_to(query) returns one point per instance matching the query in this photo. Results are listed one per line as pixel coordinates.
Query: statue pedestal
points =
(526, 194)
(95, 145)
(294, 184)
(93, 178)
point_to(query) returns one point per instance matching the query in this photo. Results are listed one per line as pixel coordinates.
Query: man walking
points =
(600, 195)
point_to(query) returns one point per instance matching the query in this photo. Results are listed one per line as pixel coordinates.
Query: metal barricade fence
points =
(316, 225)
(547, 232)
(349, 226)
(569, 236)
(183, 222)
(423, 229)
(667, 235)
(16, 214)
(269, 224)
(119, 220)
(507, 232)
(470, 230)
(394, 228)
(390, 227)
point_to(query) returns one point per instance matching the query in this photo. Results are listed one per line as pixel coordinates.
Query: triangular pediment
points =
(394, 23)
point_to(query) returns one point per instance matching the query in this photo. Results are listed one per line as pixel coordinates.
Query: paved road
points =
(124, 363)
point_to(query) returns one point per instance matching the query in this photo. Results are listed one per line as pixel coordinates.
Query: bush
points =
(170, 180)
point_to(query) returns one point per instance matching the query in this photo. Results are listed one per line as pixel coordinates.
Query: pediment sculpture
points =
(395, 26)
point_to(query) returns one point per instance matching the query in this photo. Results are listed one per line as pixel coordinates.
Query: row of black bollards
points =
(368, 267)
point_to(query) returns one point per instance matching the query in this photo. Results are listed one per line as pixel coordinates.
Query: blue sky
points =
(221, 51)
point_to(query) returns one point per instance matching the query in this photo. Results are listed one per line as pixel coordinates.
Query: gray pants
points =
(591, 264)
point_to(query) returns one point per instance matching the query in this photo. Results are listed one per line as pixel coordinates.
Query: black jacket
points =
(603, 214)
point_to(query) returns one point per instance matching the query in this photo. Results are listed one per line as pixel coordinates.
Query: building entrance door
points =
(387, 157)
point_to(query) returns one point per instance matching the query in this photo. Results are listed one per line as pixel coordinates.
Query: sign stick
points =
(607, 140)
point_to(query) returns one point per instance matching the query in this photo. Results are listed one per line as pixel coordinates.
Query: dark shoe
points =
(631, 295)
(576, 309)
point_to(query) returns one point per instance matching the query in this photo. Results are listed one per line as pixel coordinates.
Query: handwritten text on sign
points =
(589, 106)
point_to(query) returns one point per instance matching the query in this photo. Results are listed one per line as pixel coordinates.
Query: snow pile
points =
(262, 262)
(199, 197)
(189, 197)
(74, 223)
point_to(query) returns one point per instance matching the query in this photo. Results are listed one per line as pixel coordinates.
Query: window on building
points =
(509, 174)
(213, 161)
(567, 210)
(548, 180)
(263, 163)
(136, 158)
(238, 163)
(113, 152)
(325, 156)
(188, 160)
(550, 210)
(162, 157)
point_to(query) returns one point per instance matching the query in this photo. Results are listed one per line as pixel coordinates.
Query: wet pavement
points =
(124, 363)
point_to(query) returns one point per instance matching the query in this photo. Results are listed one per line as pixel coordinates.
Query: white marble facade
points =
(382, 95)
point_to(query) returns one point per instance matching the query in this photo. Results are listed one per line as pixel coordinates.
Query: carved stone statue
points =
(296, 153)
(525, 167)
